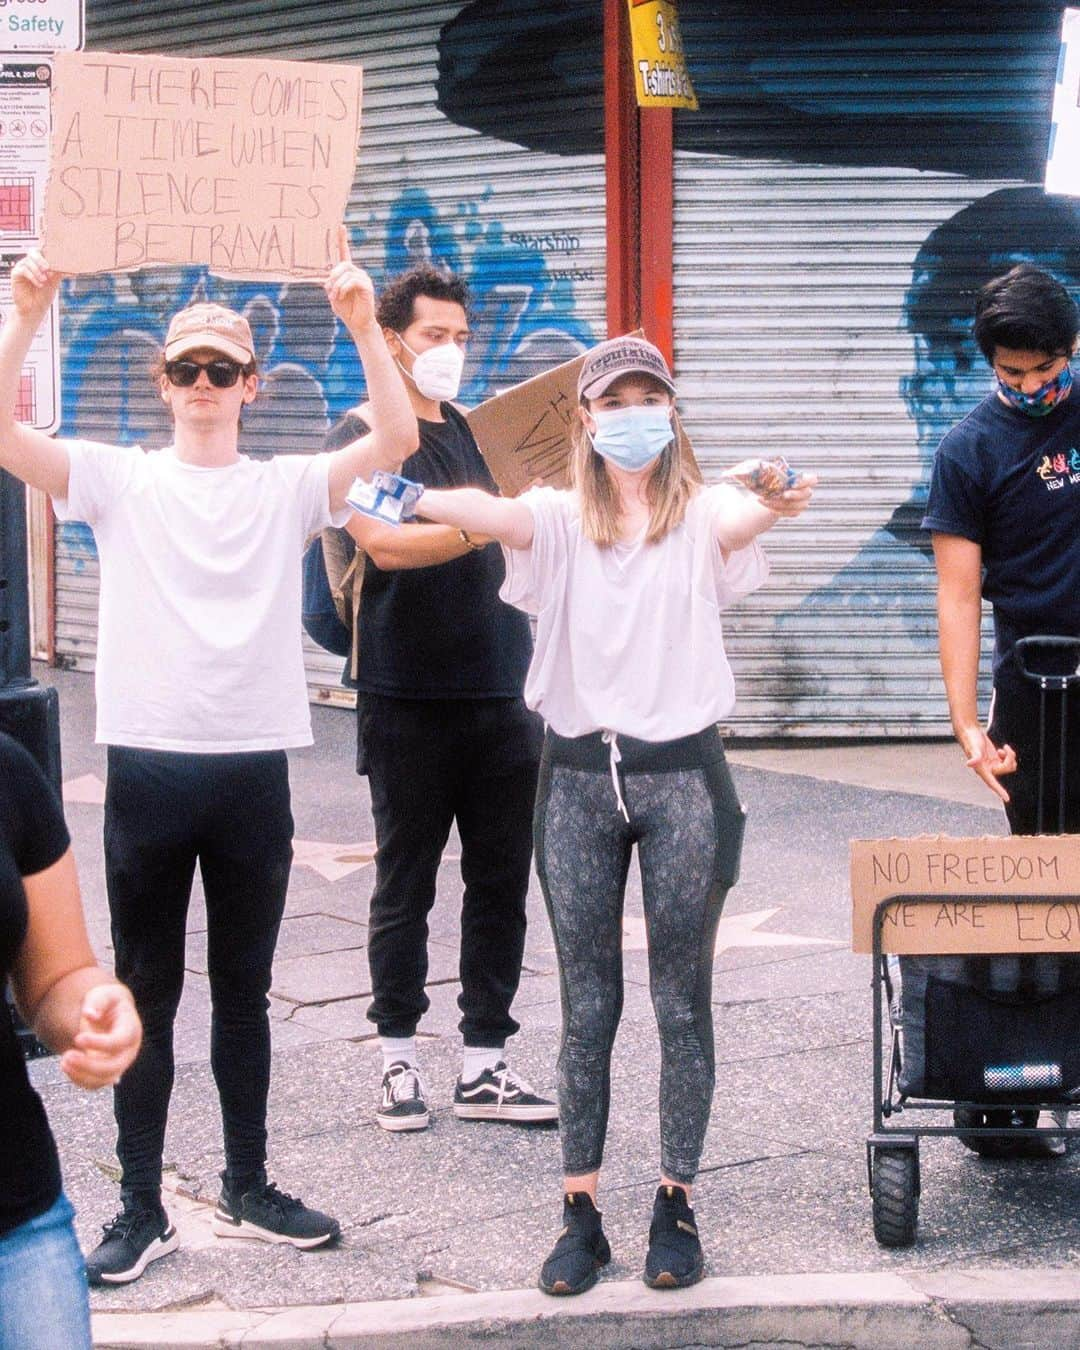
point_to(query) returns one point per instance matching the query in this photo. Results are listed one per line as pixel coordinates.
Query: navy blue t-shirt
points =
(1011, 484)
(33, 836)
(442, 631)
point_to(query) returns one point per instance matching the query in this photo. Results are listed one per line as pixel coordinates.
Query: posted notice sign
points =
(41, 26)
(37, 402)
(660, 75)
(1063, 150)
(243, 166)
(1038, 876)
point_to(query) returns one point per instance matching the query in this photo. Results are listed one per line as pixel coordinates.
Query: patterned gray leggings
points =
(686, 820)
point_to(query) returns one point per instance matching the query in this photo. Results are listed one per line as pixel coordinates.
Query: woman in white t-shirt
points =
(626, 574)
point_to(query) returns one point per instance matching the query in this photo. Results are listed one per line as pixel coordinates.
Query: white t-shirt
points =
(628, 638)
(199, 644)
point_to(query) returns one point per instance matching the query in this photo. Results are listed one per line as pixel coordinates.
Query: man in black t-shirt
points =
(443, 735)
(1004, 512)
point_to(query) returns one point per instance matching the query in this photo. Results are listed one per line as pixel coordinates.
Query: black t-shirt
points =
(33, 836)
(440, 632)
(1011, 484)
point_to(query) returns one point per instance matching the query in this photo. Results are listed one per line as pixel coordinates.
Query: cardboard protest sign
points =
(965, 871)
(241, 165)
(524, 432)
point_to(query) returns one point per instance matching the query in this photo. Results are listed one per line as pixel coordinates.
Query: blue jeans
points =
(43, 1297)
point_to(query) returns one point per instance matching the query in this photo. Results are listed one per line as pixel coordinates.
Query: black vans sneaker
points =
(131, 1241)
(269, 1215)
(499, 1094)
(674, 1258)
(581, 1250)
(402, 1105)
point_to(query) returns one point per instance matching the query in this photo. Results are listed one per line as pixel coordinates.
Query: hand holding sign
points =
(33, 285)
(349, 289)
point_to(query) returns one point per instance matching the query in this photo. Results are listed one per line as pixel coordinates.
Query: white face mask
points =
(437, 371)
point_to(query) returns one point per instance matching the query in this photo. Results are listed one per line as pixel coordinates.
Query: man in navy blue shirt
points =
(1004, 511)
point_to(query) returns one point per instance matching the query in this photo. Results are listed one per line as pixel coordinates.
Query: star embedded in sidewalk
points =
(735, 930)
(88, 790)
(332, 861)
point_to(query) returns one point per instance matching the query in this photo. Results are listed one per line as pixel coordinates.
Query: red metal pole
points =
(656, 228)
(622, 155)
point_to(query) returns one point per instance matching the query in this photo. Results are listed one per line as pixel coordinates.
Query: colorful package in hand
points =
(766, 477)
(388, 497)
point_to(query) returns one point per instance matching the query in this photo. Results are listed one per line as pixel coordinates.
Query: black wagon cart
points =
(990, 1035)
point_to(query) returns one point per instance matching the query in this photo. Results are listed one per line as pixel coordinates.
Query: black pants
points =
(1015, 722)
(430, 762)
(231, 813)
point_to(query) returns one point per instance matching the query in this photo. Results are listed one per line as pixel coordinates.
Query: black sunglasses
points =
(221, 374)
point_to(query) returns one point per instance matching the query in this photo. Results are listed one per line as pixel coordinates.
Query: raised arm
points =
(959, 605)
(72, 1005)
(394, 434)
(503, 518)
(30, 455)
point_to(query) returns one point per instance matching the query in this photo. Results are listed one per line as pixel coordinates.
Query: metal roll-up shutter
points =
(853, 176)
(525, 227)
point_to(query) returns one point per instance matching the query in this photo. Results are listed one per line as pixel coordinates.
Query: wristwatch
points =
(469, 543)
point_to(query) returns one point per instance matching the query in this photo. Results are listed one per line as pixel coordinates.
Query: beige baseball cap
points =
(621, 356)
(213, 326)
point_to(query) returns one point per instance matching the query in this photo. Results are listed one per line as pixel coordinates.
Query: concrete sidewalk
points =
(444, 1231)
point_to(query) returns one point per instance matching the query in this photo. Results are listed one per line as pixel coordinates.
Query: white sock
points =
(477, 1058)
(398, 1050)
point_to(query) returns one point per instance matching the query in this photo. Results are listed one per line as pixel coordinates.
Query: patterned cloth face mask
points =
(1044, 399)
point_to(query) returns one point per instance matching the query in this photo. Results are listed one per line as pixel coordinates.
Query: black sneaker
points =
(674, 1258)
(131, 1241)
(499, 1094)
(269, 1215)
(402, 1105)
(581, 1250)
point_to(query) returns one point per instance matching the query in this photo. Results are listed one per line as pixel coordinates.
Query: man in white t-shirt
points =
(200, 692)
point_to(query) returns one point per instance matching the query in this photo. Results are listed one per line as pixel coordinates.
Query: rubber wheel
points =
(1003, 1119)
(895, 1189)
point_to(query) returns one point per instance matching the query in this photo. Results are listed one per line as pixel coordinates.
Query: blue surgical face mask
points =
(1044, 399)
(632, 437)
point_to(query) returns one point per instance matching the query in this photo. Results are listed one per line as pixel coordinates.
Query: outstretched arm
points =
(959, 605)
(73, 1005)
(503, 518)
(747, 514)
(394, 434)
(30, 455)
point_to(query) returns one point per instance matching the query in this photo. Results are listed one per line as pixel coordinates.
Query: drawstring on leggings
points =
(614, 758)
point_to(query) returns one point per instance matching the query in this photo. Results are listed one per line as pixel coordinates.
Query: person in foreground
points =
(1004, 514)
(200, 691)
(78, 1010)
(627, 573)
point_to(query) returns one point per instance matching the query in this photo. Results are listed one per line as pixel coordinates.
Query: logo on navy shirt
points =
(1056, 470)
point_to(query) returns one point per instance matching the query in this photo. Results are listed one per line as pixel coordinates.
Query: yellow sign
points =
(660, 75)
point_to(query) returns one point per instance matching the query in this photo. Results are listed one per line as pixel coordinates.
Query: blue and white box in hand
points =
(388, 497)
